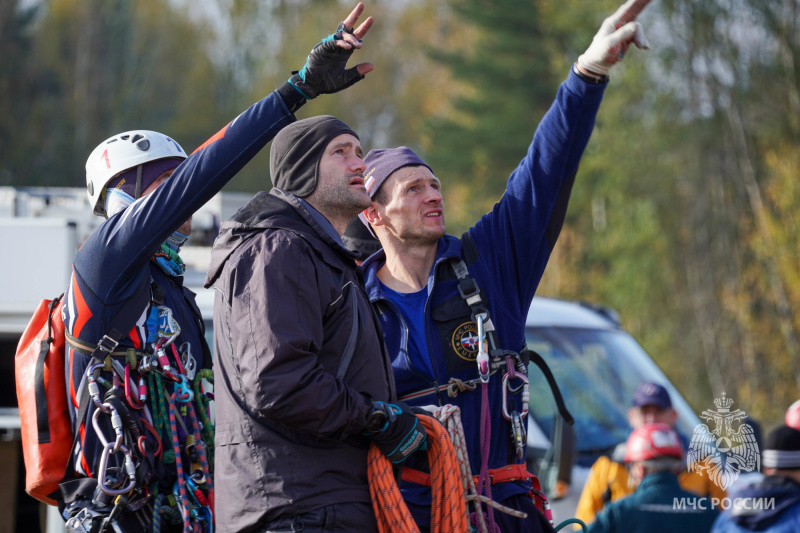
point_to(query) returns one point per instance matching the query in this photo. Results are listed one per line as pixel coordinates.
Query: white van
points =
(597, 366)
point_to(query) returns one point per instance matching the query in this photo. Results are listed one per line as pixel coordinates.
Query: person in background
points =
(654, 456)
(771, 505)
(608, 478)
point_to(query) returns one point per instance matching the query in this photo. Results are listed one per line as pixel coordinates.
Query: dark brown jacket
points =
(288, 430)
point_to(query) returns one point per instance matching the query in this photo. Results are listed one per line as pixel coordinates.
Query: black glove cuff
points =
(291, 97)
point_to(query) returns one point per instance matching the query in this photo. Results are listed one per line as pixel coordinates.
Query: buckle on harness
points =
(107, 344)
(470, 292)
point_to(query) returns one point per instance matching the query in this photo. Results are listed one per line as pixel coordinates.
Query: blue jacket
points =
(514, 242)
(116, 258)
(652, 509)
(771, 505)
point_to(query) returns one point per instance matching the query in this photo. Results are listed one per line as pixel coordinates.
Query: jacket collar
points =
(448, 246)
(276, 209)
(321, 226)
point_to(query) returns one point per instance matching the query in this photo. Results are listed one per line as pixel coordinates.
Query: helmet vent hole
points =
(111, 141)
(125, 137)
(143, 145)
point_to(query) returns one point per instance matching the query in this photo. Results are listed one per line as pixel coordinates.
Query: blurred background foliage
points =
(683, 215)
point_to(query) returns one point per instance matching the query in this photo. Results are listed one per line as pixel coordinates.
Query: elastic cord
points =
(293, 99)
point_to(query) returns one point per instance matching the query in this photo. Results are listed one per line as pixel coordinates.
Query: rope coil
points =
(448, 509)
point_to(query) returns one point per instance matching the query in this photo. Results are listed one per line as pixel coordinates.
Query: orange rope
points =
(448, 509)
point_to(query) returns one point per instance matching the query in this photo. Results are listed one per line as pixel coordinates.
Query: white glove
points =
(616, 34)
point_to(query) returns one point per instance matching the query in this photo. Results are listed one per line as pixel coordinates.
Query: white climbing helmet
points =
(121, 152)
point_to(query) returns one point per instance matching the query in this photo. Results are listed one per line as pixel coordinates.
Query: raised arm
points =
(111, 260)
(521, 230)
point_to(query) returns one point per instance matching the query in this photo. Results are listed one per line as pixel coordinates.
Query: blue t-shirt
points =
(412, 307)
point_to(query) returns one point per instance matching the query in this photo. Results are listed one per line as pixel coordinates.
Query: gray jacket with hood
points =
(288, 432)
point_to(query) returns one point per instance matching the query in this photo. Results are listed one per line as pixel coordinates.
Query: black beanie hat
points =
(782, 448)
(297, 149)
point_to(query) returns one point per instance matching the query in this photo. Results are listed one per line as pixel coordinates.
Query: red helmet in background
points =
(653, 441)
(793, 415)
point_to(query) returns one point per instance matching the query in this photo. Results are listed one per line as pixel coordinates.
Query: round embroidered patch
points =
(465, 341)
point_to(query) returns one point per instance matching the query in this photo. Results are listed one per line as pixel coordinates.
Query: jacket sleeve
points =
(605, 522)
(111, 261)
(279, 322)
(519, 233)
(700, 485)
(591, 500)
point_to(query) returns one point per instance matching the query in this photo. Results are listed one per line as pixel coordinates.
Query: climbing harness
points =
(144, 416)
(492, 359)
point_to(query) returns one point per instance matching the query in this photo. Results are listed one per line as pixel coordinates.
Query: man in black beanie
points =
(773, 504)
(305, 383)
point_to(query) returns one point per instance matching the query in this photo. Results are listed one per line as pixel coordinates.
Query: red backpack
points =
(39, 368)
(40, 371)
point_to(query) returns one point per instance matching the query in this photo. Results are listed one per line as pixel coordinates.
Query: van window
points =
(597, 371)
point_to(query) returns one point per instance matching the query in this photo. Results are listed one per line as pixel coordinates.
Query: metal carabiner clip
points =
(116, 423)
(94, 388)
(525, 395)
(129, 468)
(483, 358)
(518, 434)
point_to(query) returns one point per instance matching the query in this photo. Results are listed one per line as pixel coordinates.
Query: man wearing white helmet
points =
(136, 350)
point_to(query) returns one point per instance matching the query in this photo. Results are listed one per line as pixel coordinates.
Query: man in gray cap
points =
(304, 380)
(437, 294)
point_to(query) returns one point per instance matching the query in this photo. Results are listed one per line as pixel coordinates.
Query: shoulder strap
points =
(42, 420)
(468, 249)
(124, 320)
(471, 293)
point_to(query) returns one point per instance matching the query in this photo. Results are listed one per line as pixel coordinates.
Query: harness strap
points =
(504, 474)
(85, 348)
(551, 380)
(470, 292)
(124, 320)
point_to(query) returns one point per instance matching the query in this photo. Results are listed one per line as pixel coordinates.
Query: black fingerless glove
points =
(395, 430)
(324, 71)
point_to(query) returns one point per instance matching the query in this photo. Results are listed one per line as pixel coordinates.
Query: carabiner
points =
(94, 389)
(133, 401)
(518, 434)
(129, 468)
(116, 423)
(483, 357)
(149, 427)
(525, 395)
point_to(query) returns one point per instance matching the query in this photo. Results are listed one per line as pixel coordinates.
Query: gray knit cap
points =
(297, 149)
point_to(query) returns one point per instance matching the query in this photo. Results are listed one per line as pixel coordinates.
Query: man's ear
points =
(373, 216)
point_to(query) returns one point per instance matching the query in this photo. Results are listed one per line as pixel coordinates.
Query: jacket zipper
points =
(404, 343)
